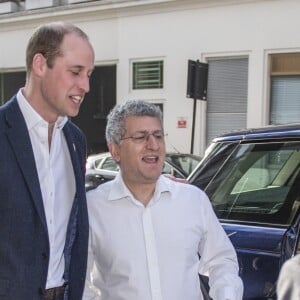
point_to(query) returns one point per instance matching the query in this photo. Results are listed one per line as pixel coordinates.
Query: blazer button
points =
(44, 255)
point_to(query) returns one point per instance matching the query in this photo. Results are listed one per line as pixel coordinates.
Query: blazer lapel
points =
(19, 139)
(72, 225)
(75, 157)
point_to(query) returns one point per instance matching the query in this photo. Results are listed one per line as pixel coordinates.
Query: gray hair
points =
(115, 128)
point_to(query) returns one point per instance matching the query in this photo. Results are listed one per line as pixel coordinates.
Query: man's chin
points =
(73, 113)
(153, 178)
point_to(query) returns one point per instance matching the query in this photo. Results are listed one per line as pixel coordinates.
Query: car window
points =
(215, 156)
(189, 164)
(98, 162)
(258, 182)
(168, 169)
(184, 162)
(110, 164)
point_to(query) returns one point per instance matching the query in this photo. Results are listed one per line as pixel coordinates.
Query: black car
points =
(253, 180)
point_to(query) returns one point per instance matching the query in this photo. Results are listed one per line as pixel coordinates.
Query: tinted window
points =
(257, 182)
(215, 157)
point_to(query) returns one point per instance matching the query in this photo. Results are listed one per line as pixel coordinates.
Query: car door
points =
(255, 193)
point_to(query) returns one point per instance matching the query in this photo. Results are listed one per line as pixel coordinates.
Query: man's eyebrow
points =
(79, 67)
(76, 67)
(146, 131)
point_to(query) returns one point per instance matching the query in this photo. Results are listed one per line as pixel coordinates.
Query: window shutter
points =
(226, 96)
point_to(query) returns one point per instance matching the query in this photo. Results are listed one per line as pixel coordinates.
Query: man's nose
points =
(84, 83)
(152, 141)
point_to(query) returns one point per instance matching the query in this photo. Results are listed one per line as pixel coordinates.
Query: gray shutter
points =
(285, 99)
(227, 91)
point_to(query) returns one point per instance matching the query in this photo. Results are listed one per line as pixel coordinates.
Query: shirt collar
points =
(32, 118)
(120, 191)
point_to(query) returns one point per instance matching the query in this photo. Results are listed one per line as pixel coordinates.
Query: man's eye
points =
(139, 137)
(75, 71)
(158, 136)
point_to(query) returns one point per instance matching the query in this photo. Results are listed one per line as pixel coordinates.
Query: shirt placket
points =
(50, 199)
(151, 252)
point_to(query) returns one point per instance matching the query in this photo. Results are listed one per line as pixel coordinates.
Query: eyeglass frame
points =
(145, 135)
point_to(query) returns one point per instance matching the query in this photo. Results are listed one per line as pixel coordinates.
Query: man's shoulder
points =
(10, 114)
(186, 192)
(179, 185)
(100, 193)
(9, 104)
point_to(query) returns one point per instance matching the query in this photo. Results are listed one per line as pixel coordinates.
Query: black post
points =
(193, 126)
(196, 88)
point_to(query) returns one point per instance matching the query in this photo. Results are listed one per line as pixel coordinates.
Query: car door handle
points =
(231, 233)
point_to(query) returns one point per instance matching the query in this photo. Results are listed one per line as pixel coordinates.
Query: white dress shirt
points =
(152, 252)
(288, 284)
(57, 182)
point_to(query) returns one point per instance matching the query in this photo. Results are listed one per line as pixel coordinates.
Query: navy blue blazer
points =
(24, 243)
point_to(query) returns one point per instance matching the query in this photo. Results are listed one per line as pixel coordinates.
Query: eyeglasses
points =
(141, 137)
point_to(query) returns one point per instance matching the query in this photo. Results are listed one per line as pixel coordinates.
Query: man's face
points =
(64, 86)
(141, 160)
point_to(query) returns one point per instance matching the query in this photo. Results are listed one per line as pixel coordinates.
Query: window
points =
(259, 183)
(285, 88)
(10, 83)
(147, 75)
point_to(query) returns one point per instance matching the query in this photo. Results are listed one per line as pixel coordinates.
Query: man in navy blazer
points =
(43, 213)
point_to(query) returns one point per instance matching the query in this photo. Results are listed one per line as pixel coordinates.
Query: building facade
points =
(142, 47)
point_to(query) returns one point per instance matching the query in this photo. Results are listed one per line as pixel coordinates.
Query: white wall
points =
(175, 31)
(251, 29)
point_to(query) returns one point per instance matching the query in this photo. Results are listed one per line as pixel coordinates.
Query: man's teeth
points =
(76, 99)
(150, 158)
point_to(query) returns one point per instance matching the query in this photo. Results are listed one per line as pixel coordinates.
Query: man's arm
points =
(90, 291)
(218, 258)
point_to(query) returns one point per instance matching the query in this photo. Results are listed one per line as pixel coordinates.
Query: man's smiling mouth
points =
(77, 99)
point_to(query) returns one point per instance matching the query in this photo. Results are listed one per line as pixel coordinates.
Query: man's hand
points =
(183, 180)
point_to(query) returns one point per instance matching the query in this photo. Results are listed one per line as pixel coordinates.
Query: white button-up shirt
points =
(57, 182)
(152, 252)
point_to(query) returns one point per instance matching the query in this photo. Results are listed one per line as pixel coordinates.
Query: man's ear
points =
(114, 150)
(39, 64)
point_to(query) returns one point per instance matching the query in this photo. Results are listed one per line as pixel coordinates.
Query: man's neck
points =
(142, 192)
